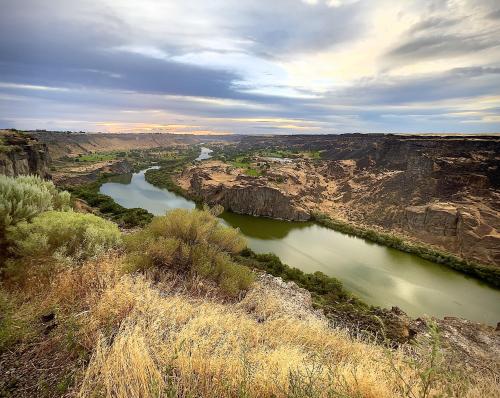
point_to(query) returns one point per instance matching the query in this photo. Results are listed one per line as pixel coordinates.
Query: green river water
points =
(377, 274)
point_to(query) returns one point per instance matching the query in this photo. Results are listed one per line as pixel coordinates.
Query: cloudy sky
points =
(251, 66)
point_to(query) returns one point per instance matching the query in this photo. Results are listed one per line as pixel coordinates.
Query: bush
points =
(191, 242)
(63, 235)
(24, 197)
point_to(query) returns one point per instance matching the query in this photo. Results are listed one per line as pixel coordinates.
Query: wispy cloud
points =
(251, 66)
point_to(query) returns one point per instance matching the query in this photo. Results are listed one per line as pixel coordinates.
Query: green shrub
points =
(63, 235)
(191, 242)
(24, 197)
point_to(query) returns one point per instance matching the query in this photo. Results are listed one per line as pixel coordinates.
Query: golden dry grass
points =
(160, 338)
(147, 341)
(209, 349)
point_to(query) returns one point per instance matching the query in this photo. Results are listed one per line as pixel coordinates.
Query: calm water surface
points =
(377, 274)
(205, 154)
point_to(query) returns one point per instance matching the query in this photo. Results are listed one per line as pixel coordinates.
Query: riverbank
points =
(480, 271)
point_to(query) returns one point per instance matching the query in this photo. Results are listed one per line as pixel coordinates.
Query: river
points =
(377, 274)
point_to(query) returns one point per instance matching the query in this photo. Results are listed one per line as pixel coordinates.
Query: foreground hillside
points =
(169, 311)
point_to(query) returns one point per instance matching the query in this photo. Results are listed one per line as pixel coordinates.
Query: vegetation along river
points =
(377, 274)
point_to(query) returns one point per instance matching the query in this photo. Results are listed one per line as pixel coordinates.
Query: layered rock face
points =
(242, 194)
(21, 154)
(470, 231)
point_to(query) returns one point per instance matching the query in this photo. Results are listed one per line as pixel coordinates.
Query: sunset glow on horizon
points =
(251, 67)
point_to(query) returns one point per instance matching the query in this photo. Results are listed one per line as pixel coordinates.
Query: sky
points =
(251, 66)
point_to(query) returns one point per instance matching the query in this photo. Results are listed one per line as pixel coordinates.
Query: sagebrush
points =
(24, 197)
(192, 242)
(63, 235)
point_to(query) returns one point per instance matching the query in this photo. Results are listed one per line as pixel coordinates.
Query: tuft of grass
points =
(192, 243)
(14, 321)
(252, 172)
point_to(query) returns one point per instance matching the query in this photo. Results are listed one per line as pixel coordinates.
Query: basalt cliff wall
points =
(246, 195)
(21, 154)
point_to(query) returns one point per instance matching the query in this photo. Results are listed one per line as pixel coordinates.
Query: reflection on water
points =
(205, 154)
(121, 179)
(140, 193)
(260, 227)
(377, 274)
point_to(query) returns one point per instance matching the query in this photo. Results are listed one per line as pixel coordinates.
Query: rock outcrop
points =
(242, 194)
(21, 154)
(85, 174)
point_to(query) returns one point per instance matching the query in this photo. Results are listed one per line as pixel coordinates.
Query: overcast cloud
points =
(250, 66)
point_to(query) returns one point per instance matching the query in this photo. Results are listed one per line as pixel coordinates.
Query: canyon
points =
(442, 191)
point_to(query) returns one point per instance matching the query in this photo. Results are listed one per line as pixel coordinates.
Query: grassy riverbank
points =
(107, 207)
(488, 274)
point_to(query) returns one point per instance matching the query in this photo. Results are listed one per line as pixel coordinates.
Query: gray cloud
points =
(456, 83)
(494, 14)
(443, 46)
(284, 27)
(80, 46)
(433, 23)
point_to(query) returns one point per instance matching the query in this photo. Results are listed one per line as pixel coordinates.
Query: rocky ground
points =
(465, 343)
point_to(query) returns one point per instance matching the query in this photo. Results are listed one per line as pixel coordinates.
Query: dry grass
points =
(151, 342)
(161, 338)
(200, 348)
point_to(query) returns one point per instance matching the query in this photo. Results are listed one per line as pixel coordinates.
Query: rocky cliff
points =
(242, 194)
(439, 190)
(22, 154)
